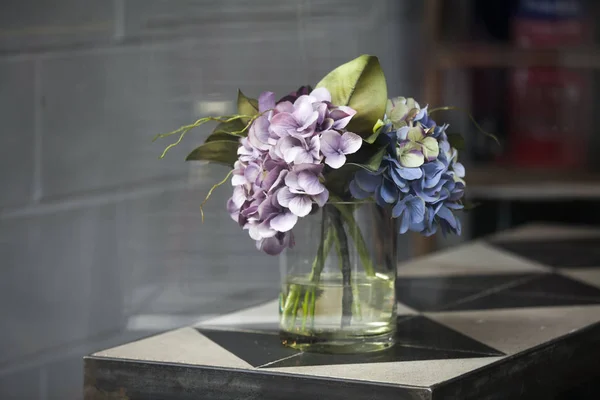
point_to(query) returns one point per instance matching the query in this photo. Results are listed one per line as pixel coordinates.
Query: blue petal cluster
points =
(420, 178)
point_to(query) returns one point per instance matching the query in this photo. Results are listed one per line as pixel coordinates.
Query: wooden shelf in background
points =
(498, 56)
(531, 184)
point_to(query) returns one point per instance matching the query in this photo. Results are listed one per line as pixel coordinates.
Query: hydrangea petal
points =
(284, 222)
(284, 106)
(459, 170)
(412, 158)
(321, 94)
(266, 101)
(282, 124)
(300, 205)
(239, 196)
(357, 192)
(410, 174)
(330, 142)
(322, 198)
(336, 160)
(272, 246)
(415, 134)
(388, 191)
(289, 147)
(310, 183)
(402, 133)
(367, 182)
(342, 116)
(431, 149)
(303, 156)
(350, 143)
(284, 196)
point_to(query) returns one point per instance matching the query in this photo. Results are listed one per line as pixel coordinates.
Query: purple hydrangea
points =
(277, 177)
(420, 176)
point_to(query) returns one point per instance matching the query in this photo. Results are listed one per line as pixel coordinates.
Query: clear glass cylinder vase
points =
(338, 281)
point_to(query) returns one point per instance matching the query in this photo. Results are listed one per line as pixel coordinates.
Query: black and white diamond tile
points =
(477, 308)
(418, 338)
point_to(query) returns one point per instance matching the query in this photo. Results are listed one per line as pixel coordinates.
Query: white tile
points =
(514, 330)
(591, 276)
(267, 313)
(182, 346)
(412, 373)
(473, 258)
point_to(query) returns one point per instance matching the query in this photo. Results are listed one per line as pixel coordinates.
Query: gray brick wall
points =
(100, 241)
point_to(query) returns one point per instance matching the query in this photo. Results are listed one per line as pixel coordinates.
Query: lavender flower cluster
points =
(278, 175)
(420, 176)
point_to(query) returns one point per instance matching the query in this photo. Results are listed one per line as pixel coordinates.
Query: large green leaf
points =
(246, 106)
(220, 151)
(359, 84)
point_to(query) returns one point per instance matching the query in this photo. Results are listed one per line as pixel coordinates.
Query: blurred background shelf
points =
(496, 55)
(527, 71)
(510, 183)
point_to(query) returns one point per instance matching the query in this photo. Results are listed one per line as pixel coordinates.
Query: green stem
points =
(357, 237)
(292, 303)
(347, 293)
(357, 311)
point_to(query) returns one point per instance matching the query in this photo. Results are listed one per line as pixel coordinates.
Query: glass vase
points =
(338, 281)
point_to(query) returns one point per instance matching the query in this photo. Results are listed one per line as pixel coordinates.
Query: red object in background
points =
(550, 114)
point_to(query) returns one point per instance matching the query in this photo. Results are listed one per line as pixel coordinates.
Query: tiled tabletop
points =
(514, 316)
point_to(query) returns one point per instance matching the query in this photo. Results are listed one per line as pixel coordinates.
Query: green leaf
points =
(220, 151)
(225, 131)
(246, 106)
(220, 135)
(456, 140)
(232, 126)
(359, 84)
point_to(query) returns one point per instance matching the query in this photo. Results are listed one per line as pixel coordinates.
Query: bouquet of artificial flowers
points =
(333, 148)
(342, 140)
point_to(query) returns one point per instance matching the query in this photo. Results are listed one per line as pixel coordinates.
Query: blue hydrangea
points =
(420, 177)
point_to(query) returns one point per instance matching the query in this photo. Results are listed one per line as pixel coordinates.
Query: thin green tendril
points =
(211, 191)
(470, 117)
(186, 128)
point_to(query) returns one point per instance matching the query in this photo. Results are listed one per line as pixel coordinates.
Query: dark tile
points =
(418, 338)
(570, 253)
(394, 354)
(503, 300)
(423, 332)
(431, 294)
(423, 298)
(556, 285)
(549, 290)
(464, 282)
(254, 348)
